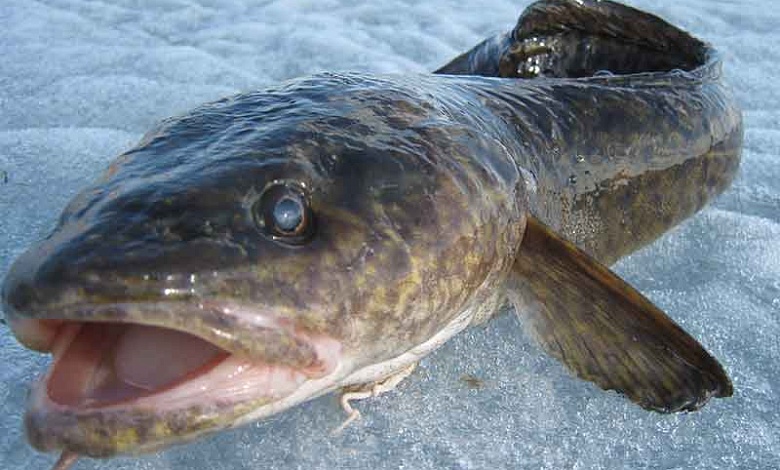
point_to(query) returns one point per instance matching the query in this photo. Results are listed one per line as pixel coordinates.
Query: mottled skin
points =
(420, 189)
(409, 225)
(618, 160)
(410, 228)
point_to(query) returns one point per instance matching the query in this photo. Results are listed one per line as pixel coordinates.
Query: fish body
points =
(273, 246)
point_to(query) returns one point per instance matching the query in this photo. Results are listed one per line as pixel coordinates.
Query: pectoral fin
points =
(605, 331)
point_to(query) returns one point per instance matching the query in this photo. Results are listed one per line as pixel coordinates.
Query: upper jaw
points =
(243, 330)
(269, 324)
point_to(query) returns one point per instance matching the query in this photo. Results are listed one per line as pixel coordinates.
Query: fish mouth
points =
(130, 386)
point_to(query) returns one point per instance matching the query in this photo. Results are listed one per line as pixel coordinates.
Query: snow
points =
(80, 81)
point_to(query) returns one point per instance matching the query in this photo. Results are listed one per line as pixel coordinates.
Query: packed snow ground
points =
(80, 81)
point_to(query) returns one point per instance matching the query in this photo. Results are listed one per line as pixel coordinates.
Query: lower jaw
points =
(138, 428)
(101, 433)
(130, 430)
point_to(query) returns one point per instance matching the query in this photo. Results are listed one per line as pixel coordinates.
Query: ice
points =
(81, 81)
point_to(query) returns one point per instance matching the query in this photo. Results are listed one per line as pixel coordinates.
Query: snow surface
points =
(80, 81)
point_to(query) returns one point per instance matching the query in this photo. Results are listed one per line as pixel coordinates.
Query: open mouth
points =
(100, 365)
(131, 387)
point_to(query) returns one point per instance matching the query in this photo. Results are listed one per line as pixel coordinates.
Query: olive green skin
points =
(411, 230)
(620, 157)
(409, 225)
(419, 188)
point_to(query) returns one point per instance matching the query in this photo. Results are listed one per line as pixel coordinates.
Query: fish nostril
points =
(18, 293)
(17, 296)
(33, 283)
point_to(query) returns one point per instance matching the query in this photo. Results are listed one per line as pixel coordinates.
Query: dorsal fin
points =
(605, 331)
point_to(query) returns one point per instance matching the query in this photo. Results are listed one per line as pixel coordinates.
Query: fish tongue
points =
(106, 363)
(150, 357)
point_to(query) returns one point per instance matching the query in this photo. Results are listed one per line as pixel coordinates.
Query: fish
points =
(325, 234)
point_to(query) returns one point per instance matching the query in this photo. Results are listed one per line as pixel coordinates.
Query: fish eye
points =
(283, 213)
(288, 214)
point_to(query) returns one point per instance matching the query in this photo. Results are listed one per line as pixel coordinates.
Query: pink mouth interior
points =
(104, 367)
(100, 364)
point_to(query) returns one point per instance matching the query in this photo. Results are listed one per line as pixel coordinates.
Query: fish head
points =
(255, 252)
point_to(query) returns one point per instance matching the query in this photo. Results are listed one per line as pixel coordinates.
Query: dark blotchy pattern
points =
(617, 160)
(607, 332)
(644, 139)
(419, 187)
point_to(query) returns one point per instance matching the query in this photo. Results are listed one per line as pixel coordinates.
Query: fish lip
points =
(240, 329)
(176, 414)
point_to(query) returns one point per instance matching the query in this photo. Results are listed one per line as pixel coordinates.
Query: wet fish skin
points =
(421, 192)
(620, 157)
(631, 155)
(387, 219)
(403, 244)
